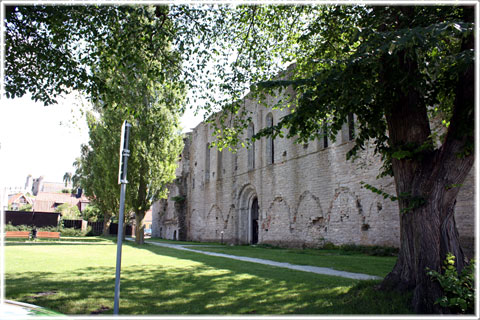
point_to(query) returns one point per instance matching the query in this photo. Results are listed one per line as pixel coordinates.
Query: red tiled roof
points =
(59, 197)
(45, 201)
(16, 197)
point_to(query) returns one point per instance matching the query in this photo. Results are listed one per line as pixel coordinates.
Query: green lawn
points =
(335, 259)
(80, 279)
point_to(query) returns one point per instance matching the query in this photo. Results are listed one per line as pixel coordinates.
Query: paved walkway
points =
(319, 270)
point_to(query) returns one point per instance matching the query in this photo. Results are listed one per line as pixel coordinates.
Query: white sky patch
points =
(44, 141)
(39, 140)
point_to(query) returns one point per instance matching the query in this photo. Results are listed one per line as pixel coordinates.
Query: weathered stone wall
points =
(308, 196)
(169, 215)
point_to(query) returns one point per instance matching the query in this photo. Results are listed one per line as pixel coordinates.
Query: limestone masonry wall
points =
(308, 196)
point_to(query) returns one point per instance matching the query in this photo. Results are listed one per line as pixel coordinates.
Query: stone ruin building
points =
(287, 194)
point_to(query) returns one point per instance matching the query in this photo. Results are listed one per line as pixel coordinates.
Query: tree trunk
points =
(428, 233)
(427, 185)
(106, 224)
(139, 227)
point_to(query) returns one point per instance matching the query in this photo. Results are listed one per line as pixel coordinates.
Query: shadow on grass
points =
(201, 284)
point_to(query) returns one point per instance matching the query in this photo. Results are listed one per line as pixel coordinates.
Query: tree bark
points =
(139, 227)
(427, 186)
(106, 224)
(429, 232)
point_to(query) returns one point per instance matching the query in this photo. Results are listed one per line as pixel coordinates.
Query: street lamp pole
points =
(122, 180)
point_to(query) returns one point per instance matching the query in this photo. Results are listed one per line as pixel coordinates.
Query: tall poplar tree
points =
(95, 167)
(152, 104)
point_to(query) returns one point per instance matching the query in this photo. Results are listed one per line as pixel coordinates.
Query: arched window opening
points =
(251, 149)
(219, 164)
(270, 148)
(351, 126)
(325, 138)
(207, 162)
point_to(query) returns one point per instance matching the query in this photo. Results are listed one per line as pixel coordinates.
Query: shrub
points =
(68, 211)
(369, 250)
(267, 246)
(89, 231)
(71, 232)
(92, 213)
(50, 229)
(25, 207)
(459, 289)
(329, 246)
(66, 232)
(10, 227)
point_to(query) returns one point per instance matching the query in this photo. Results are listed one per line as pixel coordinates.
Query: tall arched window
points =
(235, 161)
(325, 137)
(270, 150)
(219, 164)
(251, 149)
(351, 126)
(207, 162)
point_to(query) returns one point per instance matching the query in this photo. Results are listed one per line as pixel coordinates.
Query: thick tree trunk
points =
(139, 227)
(427, 185)
(428, 233)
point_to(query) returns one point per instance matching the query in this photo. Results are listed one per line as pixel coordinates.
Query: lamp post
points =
(122, 180)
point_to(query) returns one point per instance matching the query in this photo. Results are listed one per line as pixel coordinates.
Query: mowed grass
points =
(335, 259)
(80, 279)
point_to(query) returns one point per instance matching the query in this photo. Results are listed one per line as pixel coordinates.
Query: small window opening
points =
(351, 126)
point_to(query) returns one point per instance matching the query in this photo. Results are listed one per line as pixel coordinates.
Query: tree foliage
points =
(52, 50)
(68, 211)
(92, 214)
(95, 169)
(459, 288)
(67, 178)
(151, 106)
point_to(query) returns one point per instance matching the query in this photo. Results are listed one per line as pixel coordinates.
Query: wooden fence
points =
(29, 218)
(47, 219)
(75, 224)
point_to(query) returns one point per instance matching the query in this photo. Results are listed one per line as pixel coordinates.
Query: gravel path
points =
(319, 270)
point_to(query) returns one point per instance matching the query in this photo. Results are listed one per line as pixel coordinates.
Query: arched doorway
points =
(254, 219)
(247, 227)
